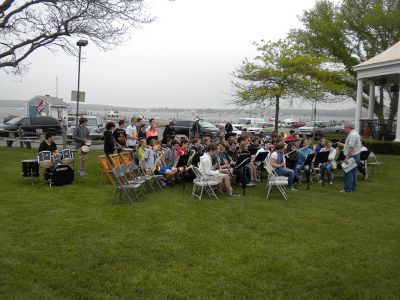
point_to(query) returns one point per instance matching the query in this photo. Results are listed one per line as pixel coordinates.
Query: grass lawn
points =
(71, 243)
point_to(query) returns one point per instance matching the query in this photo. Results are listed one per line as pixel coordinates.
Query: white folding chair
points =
(200, 183)
(281, 182)
(374, 163)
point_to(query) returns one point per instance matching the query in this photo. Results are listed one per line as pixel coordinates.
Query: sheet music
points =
(350, 165)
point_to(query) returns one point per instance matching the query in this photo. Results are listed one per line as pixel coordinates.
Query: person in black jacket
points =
(292, 157)
(228, 127)
(109, 140)
(169, 132)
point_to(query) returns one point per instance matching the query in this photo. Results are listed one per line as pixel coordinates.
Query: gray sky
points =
(183, 59)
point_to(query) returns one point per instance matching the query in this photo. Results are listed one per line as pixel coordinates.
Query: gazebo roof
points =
(389, 56)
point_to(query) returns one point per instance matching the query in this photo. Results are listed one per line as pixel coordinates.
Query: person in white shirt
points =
(330, 164)
(131, 134)
(205, 167)
(278, 162)
(351, 149)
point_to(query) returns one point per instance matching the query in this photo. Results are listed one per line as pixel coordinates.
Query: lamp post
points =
(80, 44)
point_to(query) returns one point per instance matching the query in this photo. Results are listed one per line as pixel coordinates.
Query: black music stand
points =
(241, 162)
(261, 157)
(320, 158)
(253, 151)
(182, 163)
(308, 162)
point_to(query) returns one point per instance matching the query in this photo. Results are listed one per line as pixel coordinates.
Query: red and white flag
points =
(40, 106)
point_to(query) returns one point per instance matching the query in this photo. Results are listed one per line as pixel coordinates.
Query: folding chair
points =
(125, 157)
(115, 160)
(106, 169)
(132, 179)
(281, 182)
(139, 174)
(375, 163)
(130, 190)
(200, 183)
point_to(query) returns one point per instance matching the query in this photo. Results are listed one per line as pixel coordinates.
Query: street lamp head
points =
(82, 43)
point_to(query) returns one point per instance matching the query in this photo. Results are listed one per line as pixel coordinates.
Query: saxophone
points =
(156, 165)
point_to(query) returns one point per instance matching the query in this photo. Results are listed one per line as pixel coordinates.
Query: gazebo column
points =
(371, 104)
(358, 105)
(398, 120)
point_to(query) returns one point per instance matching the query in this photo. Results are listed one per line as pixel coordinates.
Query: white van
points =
(243, 123)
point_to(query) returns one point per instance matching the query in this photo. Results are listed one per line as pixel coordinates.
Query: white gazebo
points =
(385, 65)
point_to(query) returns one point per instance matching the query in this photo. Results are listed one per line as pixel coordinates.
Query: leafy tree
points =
(283, 70)
(350, 33)
(26, 26)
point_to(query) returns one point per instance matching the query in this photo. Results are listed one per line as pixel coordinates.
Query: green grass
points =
(71, 243)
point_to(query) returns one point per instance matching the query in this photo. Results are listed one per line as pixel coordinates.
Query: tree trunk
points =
(276, 114)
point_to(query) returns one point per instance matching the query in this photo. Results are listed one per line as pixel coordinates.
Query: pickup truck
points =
(317, 129)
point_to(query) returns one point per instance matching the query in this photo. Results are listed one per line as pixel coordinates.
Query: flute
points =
(296, 150)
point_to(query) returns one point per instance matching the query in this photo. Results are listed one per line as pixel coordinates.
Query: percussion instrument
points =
(130, 150)
(56, 159)
(88, 143)
(61, 175)
(66, 156)
(85, 149)
(30, 168)
(45, 159)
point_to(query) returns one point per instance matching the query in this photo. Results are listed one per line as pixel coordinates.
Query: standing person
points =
(351, 149)
(169, 132)
(142, 132)
(81, 138)
(109, 140)
(228, 127)
(195, 131)
(152, 132)
(65, 125)
(221, 133)
(205, 168)
(120, 135)
(131, 134)
(139, 122)
(279, 164)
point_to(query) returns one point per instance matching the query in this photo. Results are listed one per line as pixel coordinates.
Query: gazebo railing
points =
(378, 129)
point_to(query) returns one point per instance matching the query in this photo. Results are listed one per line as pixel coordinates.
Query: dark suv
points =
(30, 126)
(206, 128)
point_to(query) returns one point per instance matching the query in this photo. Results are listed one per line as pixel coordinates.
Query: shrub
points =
(382, 147)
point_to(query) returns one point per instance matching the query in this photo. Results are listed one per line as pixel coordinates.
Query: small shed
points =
(47, 106)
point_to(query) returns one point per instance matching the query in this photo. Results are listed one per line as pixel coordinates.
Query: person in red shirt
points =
(184, 148)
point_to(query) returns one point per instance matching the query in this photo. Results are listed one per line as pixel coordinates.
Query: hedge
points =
(378, 147)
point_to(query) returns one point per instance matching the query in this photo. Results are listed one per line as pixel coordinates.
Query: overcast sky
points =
(184, 59)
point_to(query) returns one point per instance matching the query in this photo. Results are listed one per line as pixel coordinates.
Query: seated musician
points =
(48, 143)
(244, 149)
(222, 161)
(320, 145)
(330, 164)
(304, 151)
(221, 133)
(278, 162)
(171, 154)
(265, 148)
(255, 144)
(148, 160)
(142, 149)
(184, 148)
(205, 168)
(292, 156)
(232, 152)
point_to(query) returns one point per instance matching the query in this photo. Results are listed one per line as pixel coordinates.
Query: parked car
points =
(244, 123)
(261, 128)
(113, 114)
(298, 124)
(30, 126)
(185, 126)
(95, 125)
(317, 129)
(8, 118)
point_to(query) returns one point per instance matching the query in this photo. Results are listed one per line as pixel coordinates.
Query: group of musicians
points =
(218, 157)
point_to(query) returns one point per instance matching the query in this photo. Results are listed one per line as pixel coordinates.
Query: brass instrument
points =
(156, 165)
(193, 153)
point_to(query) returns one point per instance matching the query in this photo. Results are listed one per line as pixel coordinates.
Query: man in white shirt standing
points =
(205, 168)
(351, 149)
(131, 134)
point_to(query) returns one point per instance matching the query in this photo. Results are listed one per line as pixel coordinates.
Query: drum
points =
(130, 150)
(61, 175)
(85, 149)
(57, 159)
(66, 156)
(30, 168)
(45, 159)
